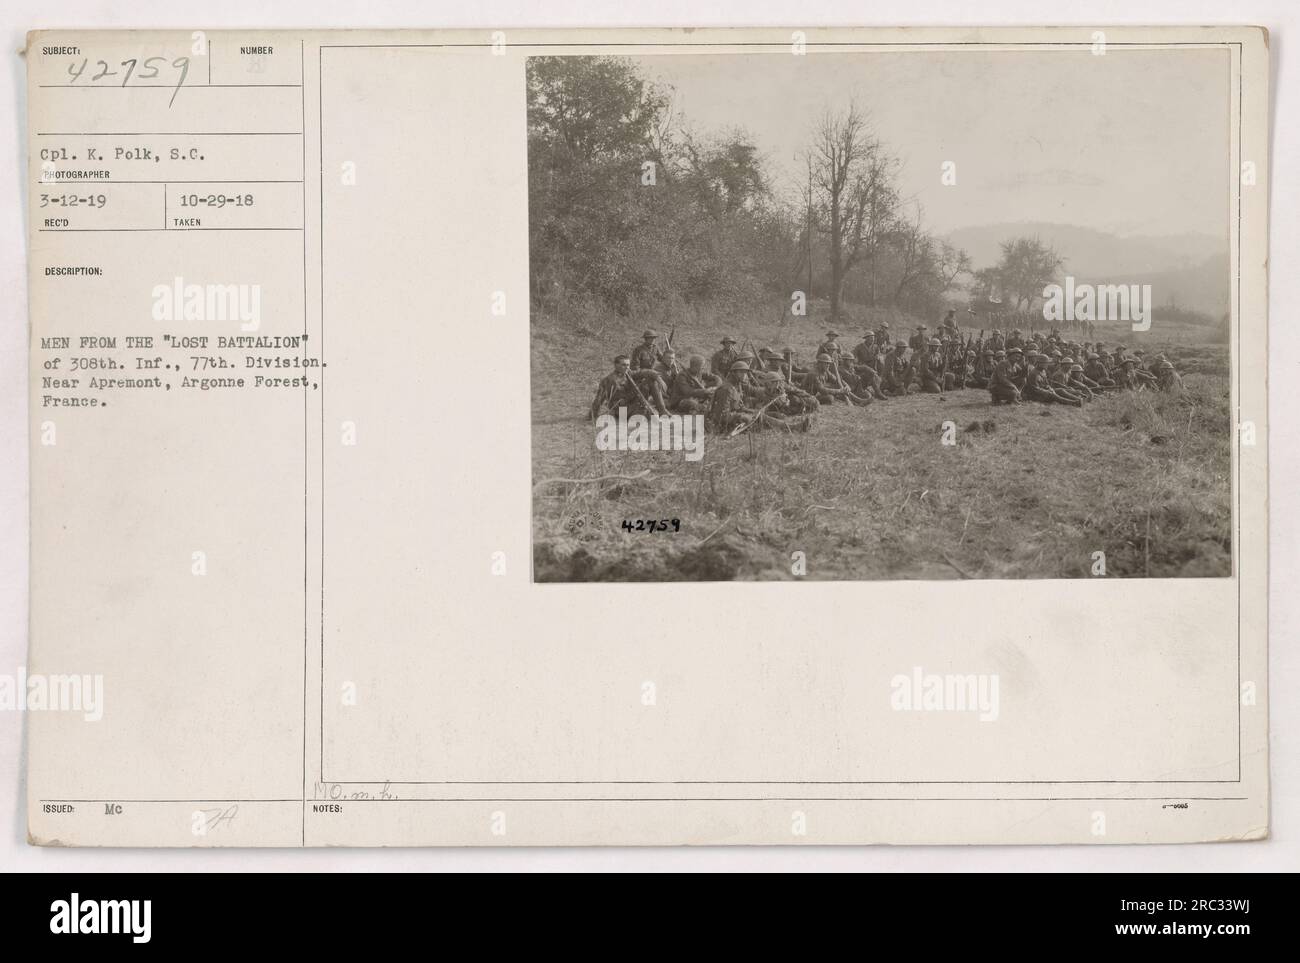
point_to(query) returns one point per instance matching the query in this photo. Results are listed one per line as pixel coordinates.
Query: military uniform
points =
(653, 388)
(1077, 382)
(1004, 385)
(949, 325)
(865, 353)
(841, 361)
(731, 408)
(647, 353)
(867, 365)
(1168, 379)
(980, 369)
(1126, 376)
(690, 393)
(727, 409)
(830, 346)
(668, 369)
(798, 401)
(611, 393)
(790, 367)
(930, 369)
(827, 388)
(1095, 369)
(823, 386)
(723, 359)
(1038, 386)
(896, 373)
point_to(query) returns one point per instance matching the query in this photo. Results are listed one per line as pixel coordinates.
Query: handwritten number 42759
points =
(148, 71)
(650, 525)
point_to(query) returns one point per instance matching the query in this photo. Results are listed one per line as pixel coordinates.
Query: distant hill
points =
(1203, 287)
(1191, 269)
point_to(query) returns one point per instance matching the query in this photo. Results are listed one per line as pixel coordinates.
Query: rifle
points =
(787, 366)
(835, 366)
(668, 338)
(739, 429)
(644, 400)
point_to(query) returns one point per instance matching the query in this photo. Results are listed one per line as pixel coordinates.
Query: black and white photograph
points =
(960, 314)
(419, 421)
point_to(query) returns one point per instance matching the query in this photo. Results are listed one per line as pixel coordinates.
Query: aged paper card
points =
(653, 437)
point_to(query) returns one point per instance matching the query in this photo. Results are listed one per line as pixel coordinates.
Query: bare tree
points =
(951, 261)
(854, 182)
(915, 252)
(922, 262)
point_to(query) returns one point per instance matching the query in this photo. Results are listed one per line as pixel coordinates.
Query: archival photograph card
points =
(431, 432)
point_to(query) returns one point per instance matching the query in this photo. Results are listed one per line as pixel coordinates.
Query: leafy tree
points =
(593, 123)
(630, 211)
(1026, 266)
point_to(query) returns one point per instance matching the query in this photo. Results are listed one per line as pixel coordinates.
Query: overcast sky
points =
(1134, 142)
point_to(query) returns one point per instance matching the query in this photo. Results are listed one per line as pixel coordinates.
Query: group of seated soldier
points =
(1053, 374)
(767, 388)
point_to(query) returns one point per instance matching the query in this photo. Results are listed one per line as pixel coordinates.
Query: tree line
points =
(632, 210)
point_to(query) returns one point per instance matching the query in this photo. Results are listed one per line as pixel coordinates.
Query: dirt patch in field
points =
(718, 560)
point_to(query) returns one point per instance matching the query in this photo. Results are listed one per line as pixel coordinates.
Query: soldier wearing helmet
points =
(646, 354)
(894, 369)
(827, 387)
(1007, 377)
(723, 359)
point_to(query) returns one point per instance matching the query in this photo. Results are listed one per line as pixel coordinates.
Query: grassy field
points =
(1026, 492)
